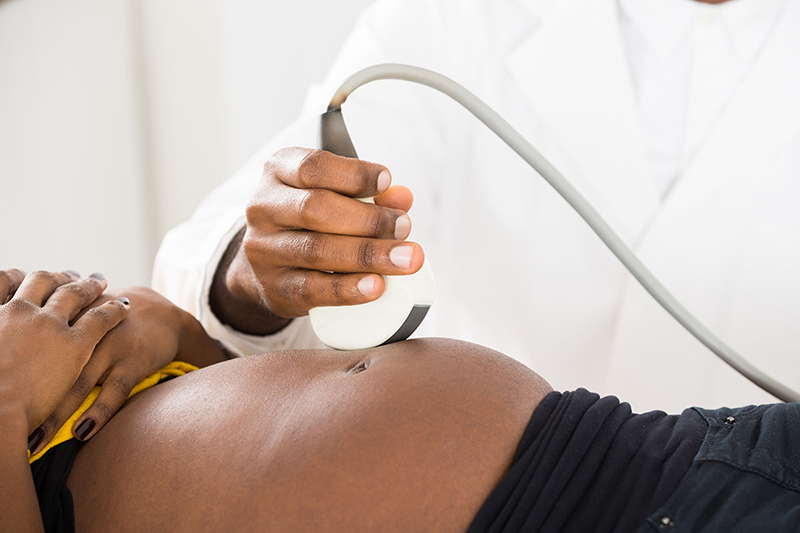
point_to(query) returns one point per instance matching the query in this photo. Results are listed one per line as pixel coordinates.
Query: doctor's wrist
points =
(234, 297)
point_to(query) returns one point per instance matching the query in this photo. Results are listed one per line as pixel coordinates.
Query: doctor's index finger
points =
(304, 168)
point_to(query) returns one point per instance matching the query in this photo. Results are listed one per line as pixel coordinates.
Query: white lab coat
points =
(517, 270)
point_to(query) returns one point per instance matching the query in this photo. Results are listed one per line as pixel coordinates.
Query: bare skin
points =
(408, 437)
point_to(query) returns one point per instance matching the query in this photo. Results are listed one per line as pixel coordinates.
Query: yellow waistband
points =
(174, 369)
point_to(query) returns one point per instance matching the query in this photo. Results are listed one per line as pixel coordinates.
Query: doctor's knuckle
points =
(311, 170)
(250, 246)
(312, 248)
(302, 290)
(255, 213)
(366, 254)
(278, 291)
(313, 208)
(377, 224)
(337, 287)
(269, 165)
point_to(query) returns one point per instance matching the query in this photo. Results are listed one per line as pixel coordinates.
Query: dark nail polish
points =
(35, 438)
(124, 301)
(98, 275)
(84, 428)
(74, 273)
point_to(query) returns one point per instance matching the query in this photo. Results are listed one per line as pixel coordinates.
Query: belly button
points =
(360, 367)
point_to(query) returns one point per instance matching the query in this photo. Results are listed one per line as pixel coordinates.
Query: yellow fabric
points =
(174, 369)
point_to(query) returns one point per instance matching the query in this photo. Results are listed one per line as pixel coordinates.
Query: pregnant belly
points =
(411, 436)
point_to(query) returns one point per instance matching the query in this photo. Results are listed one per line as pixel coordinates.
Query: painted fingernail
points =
(84, 428)
(384, 179)
(74, 273)
(367, 286)
(401, 256)
(402, 227)
(124, 301)
(35, 438)
(98, 276)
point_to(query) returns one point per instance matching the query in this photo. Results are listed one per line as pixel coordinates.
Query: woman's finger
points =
(10, 281)
(70, 299)
(115, 390)
(96, 322)
(89, 377)
(38, 286)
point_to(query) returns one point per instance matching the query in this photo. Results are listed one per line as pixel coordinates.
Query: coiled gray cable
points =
(505, 131)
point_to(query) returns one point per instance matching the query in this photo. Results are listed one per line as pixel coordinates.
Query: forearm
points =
(234, 307)
(19, 507)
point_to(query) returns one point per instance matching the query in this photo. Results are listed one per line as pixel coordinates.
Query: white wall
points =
(71, 188)
(118, 116)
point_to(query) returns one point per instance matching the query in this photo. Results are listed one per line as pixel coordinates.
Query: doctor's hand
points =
(154, 333)
(309, 242)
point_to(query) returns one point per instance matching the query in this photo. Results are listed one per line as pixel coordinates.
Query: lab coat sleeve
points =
(187, 259)
(387, 132)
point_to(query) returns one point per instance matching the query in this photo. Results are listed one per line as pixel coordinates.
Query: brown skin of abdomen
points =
(310, 441)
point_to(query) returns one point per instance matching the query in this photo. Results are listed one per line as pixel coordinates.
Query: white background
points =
(118, 116)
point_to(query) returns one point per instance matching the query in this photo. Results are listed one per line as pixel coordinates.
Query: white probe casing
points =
(400, 309)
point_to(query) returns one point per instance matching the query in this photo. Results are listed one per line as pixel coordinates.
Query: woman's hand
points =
(43, 346)
(154, 333)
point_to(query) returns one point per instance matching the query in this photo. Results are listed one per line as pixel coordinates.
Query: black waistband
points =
(587, 463)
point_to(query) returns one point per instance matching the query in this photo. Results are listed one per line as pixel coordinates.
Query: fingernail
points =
(98, 276)
(384, 179)
(401, 256)
(367, 286)
(402, 227)
(73, 273)
(124, 301)
(84, 428)
(36, 438)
